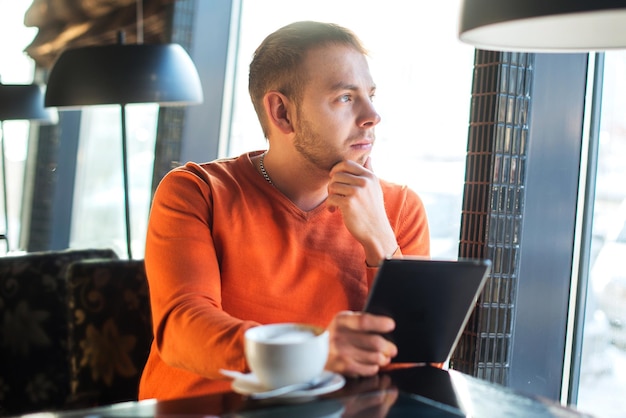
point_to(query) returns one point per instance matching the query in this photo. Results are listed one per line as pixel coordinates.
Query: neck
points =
(295, 179)
(309, 202)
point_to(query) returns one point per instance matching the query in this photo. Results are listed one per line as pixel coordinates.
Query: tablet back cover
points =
(431, 302)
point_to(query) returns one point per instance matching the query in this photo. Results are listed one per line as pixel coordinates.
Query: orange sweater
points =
(225, 251)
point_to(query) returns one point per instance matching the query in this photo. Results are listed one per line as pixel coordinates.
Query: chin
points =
(360, 158)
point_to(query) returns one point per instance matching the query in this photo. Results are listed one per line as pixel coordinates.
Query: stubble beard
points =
(311, 146)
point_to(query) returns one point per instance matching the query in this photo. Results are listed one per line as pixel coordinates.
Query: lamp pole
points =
(125, 179)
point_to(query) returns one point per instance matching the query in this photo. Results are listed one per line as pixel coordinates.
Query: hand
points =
(356, 192)
(357, 347)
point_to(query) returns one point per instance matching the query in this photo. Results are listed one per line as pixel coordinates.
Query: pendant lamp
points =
(122, 74)
(544, 25)
(18, 102)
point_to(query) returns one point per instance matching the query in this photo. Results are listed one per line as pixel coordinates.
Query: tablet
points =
(430, 301)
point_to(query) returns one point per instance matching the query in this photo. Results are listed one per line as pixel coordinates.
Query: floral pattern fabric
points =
(110, 330)
(34, 372)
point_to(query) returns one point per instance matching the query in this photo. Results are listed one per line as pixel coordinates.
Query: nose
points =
(369, 117)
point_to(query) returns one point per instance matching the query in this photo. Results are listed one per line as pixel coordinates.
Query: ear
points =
(278, 109)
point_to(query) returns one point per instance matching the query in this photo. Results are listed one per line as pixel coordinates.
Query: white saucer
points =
(249, 384)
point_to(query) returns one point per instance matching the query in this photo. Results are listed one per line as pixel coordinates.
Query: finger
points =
(350, 365)
(370, 348)
(343, 177)
(365, 322)
(378, 358)
(347, 166)
(341, 189)
(358, 370)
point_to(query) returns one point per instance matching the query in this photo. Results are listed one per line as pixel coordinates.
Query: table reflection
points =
(415, 391)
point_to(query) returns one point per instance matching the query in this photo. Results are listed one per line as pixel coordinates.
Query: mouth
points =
(365, 144)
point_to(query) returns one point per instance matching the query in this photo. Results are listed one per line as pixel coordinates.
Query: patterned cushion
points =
(110, 330)
(34, 372)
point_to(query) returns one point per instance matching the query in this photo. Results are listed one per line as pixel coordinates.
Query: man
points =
(292, 234)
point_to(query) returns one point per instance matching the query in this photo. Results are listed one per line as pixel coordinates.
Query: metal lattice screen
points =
(492, 206)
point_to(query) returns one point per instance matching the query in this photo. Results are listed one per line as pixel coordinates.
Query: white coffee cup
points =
(286, 353)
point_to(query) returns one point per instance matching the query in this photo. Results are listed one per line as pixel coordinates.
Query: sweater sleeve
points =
(411, 227)
(408, 218)
(191, 330)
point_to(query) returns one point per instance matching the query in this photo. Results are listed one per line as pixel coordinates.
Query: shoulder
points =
(400, 195)
(214, 173)
(207, 169)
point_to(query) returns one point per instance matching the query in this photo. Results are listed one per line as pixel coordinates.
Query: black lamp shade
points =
(23, 102)
(544, 25)
(122, 74)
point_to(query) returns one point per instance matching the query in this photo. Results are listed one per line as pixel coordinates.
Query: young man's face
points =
(336, 118)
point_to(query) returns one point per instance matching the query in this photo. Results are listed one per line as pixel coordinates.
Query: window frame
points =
(551, 210)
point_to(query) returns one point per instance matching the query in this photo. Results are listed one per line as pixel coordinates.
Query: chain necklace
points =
(262, 167)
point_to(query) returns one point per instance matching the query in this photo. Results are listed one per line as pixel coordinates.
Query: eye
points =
(345, 98)
(372, 96)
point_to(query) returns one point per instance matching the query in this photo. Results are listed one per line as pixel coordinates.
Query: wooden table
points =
(410, 392)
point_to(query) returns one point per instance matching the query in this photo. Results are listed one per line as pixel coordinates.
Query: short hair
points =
(276, 62)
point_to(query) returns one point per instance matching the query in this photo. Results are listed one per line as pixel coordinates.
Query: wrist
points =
(396, 252)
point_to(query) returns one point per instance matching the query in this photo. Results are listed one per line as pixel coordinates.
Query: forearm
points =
(410, 234)
(385, 247)
(200, 339)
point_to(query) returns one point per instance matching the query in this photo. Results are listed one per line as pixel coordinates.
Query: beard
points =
(311, 145)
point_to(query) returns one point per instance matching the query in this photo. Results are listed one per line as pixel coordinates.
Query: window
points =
(98, 219)
(15, 68)
(423, 94)
(603, 368)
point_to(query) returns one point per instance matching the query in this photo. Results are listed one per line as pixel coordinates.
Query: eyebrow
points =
(345, 86)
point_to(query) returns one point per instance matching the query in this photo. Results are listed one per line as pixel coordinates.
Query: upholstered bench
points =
(110, 330)
(34, 372)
